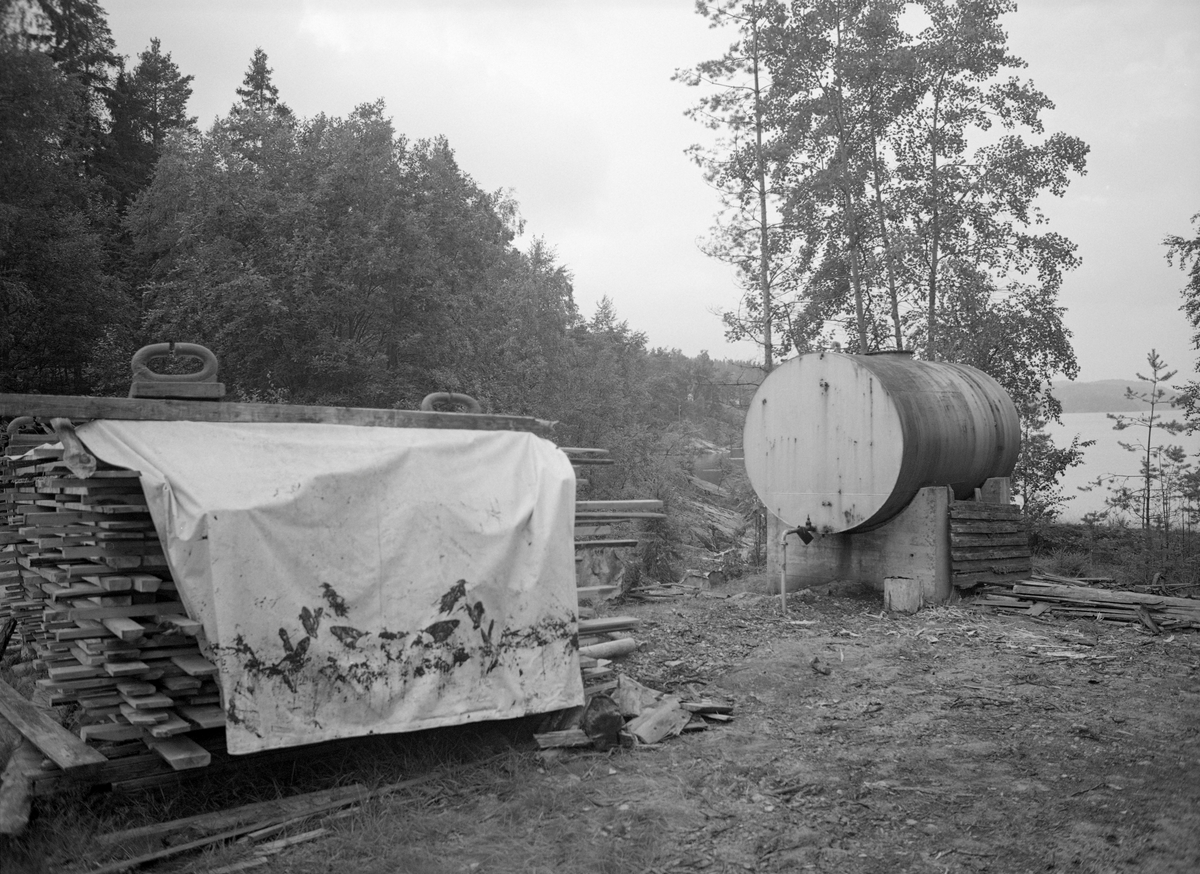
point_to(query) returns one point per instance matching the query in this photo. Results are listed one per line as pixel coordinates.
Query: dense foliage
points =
(881, 181)
(904, 159)
(325, 260)
(1185, 253)
(881, 164)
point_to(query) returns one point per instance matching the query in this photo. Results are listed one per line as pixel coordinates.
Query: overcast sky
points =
(570, 104)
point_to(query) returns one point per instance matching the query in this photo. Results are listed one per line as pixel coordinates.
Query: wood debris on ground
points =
(252, 824)
(1045, 594)
(620, 711)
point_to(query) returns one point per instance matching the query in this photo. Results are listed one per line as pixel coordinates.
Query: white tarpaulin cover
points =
(360, 580)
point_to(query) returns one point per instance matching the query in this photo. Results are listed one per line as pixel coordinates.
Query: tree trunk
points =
(931, 344)
(888, 261)
(764, 276)
(847, 199)
(1149, 443)
(855, 277)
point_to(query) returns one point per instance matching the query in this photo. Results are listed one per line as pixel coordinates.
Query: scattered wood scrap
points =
(610, 649)
(665, 719)
(648, 717)
(258, 820)
(604, 625)
(222, 820)
(661, 592)
(564, 738)
(1042, 597)
(56, 743)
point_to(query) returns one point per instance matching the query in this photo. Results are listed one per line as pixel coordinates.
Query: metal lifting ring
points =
(446, 397)
(143, 373)
(18, 423)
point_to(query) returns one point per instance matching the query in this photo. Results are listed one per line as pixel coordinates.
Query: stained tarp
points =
(356, 580)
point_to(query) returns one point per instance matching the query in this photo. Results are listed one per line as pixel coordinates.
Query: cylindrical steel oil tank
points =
(846, 441)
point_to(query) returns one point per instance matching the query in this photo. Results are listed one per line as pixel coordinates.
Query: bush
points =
(1129, 556)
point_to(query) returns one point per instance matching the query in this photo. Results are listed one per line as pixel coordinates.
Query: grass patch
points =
(1069, 563)
(511, 813)
(522, 821)
(64, 826)
(1162, 562)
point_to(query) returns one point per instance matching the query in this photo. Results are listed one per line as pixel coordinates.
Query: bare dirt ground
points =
(952, 740)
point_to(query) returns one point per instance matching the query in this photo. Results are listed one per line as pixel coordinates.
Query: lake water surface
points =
(1105, 457)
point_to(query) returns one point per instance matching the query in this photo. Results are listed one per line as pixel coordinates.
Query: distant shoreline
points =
(1106, 396)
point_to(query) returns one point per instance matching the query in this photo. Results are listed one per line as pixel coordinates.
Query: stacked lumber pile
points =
(989, 542)
(601, 534)
(84, 580)
(21, 597)
(1039, 595)
(97, 604)
(598, 571)
(618, 710)
(603, 530)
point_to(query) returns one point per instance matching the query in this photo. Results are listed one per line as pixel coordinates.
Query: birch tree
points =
(909, 170)
(746, 236)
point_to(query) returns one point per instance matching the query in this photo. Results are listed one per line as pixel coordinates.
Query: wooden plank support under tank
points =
(988, 543)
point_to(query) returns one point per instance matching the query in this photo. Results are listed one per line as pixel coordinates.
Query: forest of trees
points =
(881, 166)
(324, 260)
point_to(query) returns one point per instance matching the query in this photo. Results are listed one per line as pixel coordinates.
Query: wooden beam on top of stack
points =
(171, 410)
(989, 543)
(114, 638)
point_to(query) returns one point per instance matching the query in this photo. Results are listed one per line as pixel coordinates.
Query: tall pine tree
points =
(144, 107)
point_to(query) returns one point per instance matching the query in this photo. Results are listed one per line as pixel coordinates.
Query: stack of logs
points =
(86, 586)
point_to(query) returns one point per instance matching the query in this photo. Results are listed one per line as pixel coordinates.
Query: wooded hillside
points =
(325, 260)
(335, 260)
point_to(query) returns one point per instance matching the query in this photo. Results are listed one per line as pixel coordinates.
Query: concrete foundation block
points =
(914, 544)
